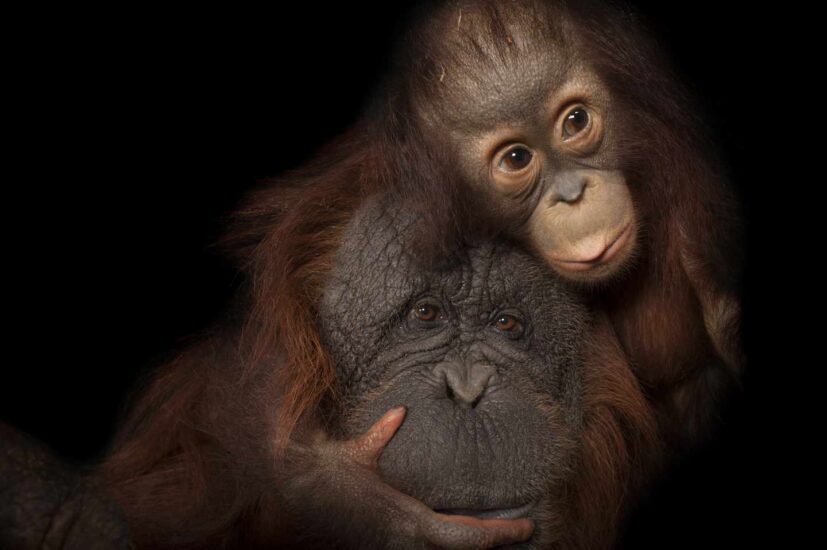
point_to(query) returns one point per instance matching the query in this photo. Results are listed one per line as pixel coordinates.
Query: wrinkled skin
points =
(492, 410)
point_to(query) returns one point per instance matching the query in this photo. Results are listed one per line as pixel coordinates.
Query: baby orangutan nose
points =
(465, 383)
(568, 187)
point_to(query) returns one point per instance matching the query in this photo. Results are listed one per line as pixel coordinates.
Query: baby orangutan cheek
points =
(585, 224)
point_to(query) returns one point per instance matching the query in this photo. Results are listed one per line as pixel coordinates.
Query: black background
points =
(130, 135)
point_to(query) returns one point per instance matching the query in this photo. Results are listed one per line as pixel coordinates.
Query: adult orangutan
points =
(476, 404)
(549, 124)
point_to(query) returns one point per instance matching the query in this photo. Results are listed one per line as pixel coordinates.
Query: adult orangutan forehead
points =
(482, 63)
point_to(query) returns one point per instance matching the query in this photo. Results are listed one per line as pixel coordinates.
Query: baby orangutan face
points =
(582, 217)
(534, 126)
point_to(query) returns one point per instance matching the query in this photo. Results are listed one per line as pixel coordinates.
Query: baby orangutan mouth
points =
(613, 249)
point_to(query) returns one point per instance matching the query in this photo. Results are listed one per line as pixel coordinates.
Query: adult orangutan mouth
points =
(496, 513)
(610, 251)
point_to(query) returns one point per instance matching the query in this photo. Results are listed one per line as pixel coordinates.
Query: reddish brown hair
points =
(176, 462)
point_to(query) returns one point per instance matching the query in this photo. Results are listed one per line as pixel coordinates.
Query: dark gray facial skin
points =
(483, 352)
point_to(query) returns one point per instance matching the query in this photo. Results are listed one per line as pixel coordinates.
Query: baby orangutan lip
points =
(609, 252)
(494, 513)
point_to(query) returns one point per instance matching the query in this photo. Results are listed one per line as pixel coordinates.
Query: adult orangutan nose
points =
(465, 383)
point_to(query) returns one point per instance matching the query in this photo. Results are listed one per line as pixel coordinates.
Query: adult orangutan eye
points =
(515, 159)
(577, 120)
(508, 324)
(426, 314)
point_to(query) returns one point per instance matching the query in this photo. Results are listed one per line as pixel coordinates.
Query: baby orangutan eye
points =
(577, 120)
(514, 169)
(516, 159)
